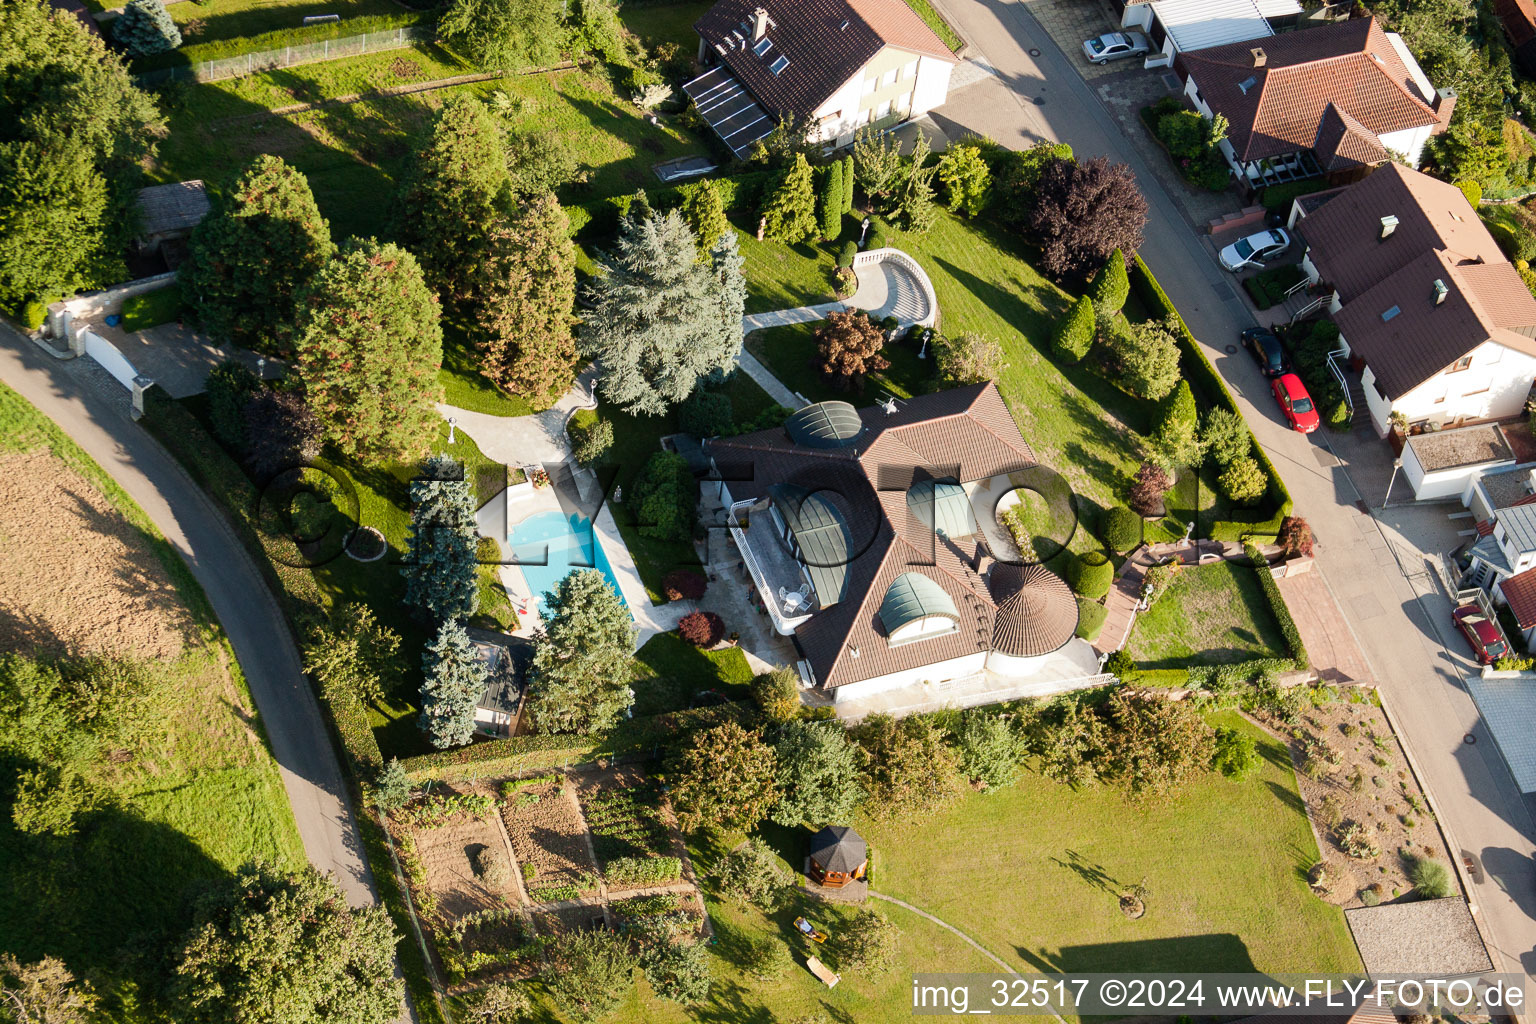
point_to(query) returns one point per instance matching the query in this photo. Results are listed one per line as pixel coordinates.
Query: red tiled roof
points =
(1349, 64)
(826, 43)
(1520, 591)
(1345, 144)
(964, 433)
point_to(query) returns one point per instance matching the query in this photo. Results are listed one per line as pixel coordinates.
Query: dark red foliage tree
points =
(280, 431)
(702, 629)
(1085, 211)
(1151, 483)
(848, 347)
(682, 585)
(1295, 537)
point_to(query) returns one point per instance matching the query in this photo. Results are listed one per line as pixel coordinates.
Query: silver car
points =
(1115, 45)
(1255, 250)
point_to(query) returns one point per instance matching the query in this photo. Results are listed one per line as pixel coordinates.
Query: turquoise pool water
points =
(549, 545)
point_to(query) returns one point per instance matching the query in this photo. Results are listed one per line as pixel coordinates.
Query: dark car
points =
(1294, 401)
(1487, 642)
(1266, 349)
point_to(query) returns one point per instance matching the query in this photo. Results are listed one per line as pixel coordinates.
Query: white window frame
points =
(889, 78)
(909, 70)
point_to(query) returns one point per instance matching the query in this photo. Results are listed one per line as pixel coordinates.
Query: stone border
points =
(383, 544)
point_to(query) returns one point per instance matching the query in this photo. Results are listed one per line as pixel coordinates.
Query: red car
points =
(1487, 642)
(1295, 402)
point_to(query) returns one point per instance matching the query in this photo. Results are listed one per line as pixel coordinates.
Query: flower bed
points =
(1268, 287)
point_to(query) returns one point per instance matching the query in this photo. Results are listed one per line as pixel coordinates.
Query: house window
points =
(882, 110)
(888, 78)
(1479, 391)
(904, 101)
(1460, 364)
(910, 69)
(869, 85)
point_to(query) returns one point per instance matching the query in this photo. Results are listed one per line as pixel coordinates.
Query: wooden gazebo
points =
(838, 856)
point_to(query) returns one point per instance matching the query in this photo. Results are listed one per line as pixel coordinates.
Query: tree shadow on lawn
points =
(1093, 874)
(1219, 951)
(112, 896)
(1290, 798)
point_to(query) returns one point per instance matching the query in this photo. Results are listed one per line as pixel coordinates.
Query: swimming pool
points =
(549, 545)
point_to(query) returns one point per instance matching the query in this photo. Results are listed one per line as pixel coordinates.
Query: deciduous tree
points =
(73, 128)
(540, 162)
(1017, 177)
(661, 322)
(848, 348)
(588, 973)
(271, 948)
(504, 35)
(45, 992)
(455, 191)
(145, 27)
(907, 764)
(1147, 490)
(1154, 744)
(527, 288)
(1084, 211)
(725, 779)
(790, 213)
(674, 962)
(505, 1002)
(750, 874)
(1069, 741)
(665, 497)
(368, 350)
(778, 694)
(989, 750)
(579, 681)
(1295, 537)
(967, 179)
(455, 679)
(818, 774)
(867, 943)
(968, 358)
(281, 432)
(261, 244)
(351, 652)
(441, 571)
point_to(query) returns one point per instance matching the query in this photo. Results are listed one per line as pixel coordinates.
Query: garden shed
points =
(839, 855)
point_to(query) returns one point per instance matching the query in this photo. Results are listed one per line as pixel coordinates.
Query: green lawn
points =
(157, 307)
(656, 24)
(210, 20)
(1212, 613)
(670, 673)
(1078, 423)
(199, 795)
(783, 276)
(465, 387)
(352, 152)
(1033, 873)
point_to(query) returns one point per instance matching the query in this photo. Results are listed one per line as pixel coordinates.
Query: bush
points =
(1295, 537)
(750, 874)
(846, 254)
(592, 442)
(230, 385)
(491, 865)
(778, 694)
(32, 313)
(1074, 334)
(968, 359)
(1243, 481)
(1090, 619)
(1147, 490)
(706, 414)
(876, 237)
(1357, 842)
(1225, 436)
(684, 585)
(1121, 529)
(1092, 574)
(1371, 894)
(1235, 755)
(1472, 190)
(702, 629)
(1430, 878)
(1112, 285)
(666, 498)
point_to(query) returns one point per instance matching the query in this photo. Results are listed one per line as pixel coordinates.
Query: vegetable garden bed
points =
(549, 838)
(631, 825)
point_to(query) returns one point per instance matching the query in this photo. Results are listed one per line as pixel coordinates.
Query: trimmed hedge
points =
(599, 218)
(1277, 605)
(1090, 619)
(1074, 333)
(1208, 383)
(1121, 529)
(1092, 574)
(278, 39)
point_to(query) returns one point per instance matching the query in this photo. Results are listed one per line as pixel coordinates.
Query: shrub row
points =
(278, 39)
(1203, 377)
(299, 597)
(1293, 643)
(599, 218)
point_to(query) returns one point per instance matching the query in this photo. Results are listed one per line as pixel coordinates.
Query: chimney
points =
(1258, 56)
(1388, 225)
(1440, 291)
(759, 23)
(1445, 105)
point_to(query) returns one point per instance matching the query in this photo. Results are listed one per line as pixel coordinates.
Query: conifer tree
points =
(832, 201)
(441, 572)
(261, 243)
(527, 289)
(848, 183)
(146, 27)
(455, 679)
(914, 198)
(454, 193)
(791, 210)
(705, 213)
(368, 350)
(581, 660)
(660, 320)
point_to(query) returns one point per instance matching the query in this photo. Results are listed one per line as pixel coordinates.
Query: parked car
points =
(1255, 250)
(1295, 402)
(1115, 46)
(1487, 642)
(1267, 350)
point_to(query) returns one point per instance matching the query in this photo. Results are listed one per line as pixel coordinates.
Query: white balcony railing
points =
(784, 623)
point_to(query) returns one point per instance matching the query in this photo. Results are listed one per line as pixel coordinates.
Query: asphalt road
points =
(247, 610)
(1368, 560)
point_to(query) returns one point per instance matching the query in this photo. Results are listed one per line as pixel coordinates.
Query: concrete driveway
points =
(1370, 563)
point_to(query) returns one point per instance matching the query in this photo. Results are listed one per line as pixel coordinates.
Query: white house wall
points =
(1409, 142)
(938, 672)
(932, 84)
(1137, 16)
(909, 95)
(1495, 386)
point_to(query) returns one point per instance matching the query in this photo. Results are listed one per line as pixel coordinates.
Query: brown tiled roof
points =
(1344, 234)
(1036, 612)
(1520, 591)
(1422, 338)
(1518, 18)
(825, 41)
(1344, 144)
(1350, 64)
(964, 433)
